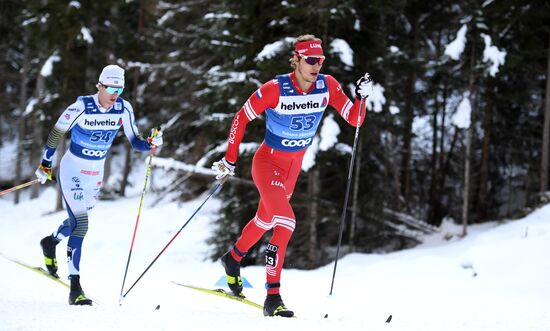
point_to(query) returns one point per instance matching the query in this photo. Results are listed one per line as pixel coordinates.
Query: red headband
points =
(309, 48)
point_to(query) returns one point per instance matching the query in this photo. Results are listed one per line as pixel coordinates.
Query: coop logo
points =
(99, 123)
(298, 106)
(296, 142)
(91, 152)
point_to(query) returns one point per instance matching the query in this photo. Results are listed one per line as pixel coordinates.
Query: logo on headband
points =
(309, 48)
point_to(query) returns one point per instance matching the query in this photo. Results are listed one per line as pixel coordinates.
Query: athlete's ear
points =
(295, 60)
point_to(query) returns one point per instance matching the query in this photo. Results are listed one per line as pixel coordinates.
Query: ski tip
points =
(389, 319)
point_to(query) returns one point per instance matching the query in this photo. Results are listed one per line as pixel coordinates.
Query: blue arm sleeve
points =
(48, 156)
(131, 132)
(140, 144)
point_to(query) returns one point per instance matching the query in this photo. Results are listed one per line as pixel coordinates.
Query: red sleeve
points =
(342, 103)
(267, 96)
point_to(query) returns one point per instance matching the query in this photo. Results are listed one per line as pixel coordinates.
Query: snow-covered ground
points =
(431, 287)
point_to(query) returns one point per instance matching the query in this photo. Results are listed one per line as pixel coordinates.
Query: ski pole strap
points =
(272, 285)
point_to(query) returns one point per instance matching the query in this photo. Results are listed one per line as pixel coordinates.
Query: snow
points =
(394, 110)
(492, 55)
(343, 50)
(220, 16)
(394, 49)
(48, 65)
(496, 278)
(461, 117)
(329, 133)
(75, 4)
(30, 106)
(309, 157)
(376, 99)
(87, 35)
(456, 47)
(328, 137)
(422, 128)
(271, 50)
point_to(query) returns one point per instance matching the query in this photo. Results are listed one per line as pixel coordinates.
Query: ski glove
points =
(223, 168)
(43, 173)
(364, 86)
(155, 138)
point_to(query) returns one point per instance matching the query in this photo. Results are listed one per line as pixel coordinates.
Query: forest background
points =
(190, 65)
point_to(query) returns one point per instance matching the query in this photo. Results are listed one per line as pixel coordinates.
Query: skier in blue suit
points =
(94, 122)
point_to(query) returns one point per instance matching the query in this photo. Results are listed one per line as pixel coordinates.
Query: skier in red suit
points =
(294, 104)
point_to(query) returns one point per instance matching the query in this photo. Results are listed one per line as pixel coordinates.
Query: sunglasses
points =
(313, 60)
(113, 90)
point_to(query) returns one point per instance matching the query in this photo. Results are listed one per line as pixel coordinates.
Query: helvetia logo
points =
(100, 123)
(298, 106)
(324, 103)
(119, 121)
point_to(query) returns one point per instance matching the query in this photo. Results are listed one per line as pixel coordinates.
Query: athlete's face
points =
(108, 94)
(308, 67)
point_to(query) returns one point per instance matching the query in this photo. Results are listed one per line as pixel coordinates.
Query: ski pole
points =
(215, 189)
(350, 173)
(20, 186)
(155, 132)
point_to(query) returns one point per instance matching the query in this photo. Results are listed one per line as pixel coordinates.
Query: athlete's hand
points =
(223, 168)
(155, 138)
(363, 88)
(43, 172)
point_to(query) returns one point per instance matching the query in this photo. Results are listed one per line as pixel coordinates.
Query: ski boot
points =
(48, 249)
(77, 296)
(274, 306)
(233, 273)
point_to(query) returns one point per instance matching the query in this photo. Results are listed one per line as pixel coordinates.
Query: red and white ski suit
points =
(292, 118)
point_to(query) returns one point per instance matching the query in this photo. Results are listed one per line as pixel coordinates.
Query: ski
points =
(222, 293)
(42, 272)
(39, 270)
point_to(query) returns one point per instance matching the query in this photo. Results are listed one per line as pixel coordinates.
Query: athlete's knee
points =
(282, 223)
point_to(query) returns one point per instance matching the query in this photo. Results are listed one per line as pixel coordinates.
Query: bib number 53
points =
(299, 123)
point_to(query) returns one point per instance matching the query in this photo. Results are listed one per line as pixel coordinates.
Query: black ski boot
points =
(274, 306)
(77, 296)
(233, 273)
(48, 249)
